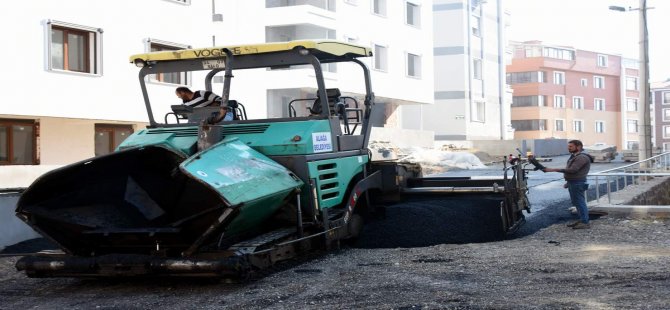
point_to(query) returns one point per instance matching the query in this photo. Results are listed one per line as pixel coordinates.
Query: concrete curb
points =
(635, 211)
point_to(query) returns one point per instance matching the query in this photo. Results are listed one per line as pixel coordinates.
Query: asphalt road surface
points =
(618, 264)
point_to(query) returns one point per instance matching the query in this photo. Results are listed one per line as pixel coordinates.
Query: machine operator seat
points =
(333, 99)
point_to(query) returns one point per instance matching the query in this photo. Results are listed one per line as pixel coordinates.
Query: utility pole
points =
(644, 129)
(645, 117)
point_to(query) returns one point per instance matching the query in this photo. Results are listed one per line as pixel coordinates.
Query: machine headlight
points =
(139, 63)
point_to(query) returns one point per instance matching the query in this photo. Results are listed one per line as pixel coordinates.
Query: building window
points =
(559, 101)
(530, 125)
(559, 125)
(666, 132)
(578, 103)
(533, 51)
(478, 111)
(631, 104)
(477, 69)
(413, 65)
(380, 58)
(666, 115)
(584, 82)
(525, 77)
(631, 83)
(666, 147)
(631, 126)
(167, 77)
(74, 48)
(632, 145)
(600, 126)
(476, 26)
(558, 53)
(18, 140)
(379, 7)
(528, 101)
(108, 137)
(598, 82)
(559, 78)
(666, 97)
(599, 104)
(602, 60)
(578, 126)
(412, 14)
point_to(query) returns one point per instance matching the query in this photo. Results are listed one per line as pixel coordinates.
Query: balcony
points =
(287, 12)
(298, 32)
(322, 4)
(301, 32)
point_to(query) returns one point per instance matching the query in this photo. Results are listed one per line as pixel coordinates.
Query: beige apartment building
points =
(565, 93)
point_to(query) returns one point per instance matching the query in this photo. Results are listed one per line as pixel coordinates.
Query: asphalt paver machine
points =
(192, 197)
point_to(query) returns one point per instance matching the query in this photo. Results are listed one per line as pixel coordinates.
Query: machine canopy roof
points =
(321, 49)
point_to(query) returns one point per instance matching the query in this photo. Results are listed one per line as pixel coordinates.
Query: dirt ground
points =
(618, 264)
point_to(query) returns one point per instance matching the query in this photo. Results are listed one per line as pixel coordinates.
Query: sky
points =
(590, 25)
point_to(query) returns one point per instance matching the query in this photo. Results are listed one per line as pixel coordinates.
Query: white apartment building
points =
(399, 33)
(72, 93)
(472, 100)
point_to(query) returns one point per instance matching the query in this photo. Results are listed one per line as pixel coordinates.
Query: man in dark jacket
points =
(575, 173)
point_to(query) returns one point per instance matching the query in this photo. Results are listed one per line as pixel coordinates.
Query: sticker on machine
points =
(321, 142)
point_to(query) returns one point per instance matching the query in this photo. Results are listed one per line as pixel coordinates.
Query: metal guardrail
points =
(636, 173)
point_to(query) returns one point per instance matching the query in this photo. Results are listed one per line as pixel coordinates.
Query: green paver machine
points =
(196, 198)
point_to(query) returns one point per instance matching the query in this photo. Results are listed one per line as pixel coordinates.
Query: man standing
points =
(575, 173)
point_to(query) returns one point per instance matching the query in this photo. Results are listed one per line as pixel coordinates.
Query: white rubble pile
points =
(432, 161)
(432, 157)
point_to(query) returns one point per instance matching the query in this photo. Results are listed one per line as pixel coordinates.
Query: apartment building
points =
(399, 33)
(472, 101)
(73, 93)
(567, 93)
(660, 103)
(630, 104)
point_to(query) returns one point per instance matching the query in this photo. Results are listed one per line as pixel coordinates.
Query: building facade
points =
(78, 95)
(472, 101)
(631, 125)
(660, 102)
(566, 93)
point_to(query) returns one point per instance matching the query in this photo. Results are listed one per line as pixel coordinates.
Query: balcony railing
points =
(323, 4)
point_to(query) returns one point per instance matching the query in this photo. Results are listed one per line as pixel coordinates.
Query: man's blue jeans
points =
(576, 189)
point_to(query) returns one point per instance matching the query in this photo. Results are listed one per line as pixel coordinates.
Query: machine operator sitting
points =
(204, 98)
